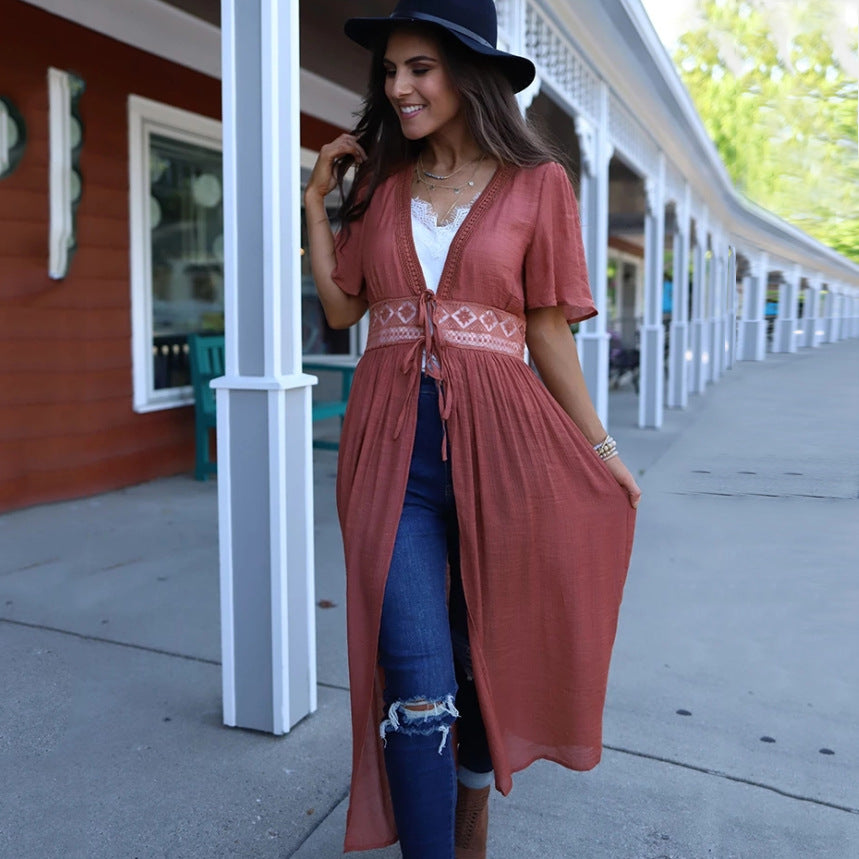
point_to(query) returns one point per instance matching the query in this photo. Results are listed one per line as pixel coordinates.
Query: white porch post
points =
(753, 326)
(838, 315)
(724, 306)
(593, 338)
(854, 313)
(849, 312)
(678, 367)
(731, 309)
(651, 395)
(784, 339)
(828, 314)
(265, 487)
(854, 301)
(716, 313)
(697, 380)
(809, 311)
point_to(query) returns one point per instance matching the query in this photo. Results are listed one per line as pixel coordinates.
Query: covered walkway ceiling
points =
(321, 22)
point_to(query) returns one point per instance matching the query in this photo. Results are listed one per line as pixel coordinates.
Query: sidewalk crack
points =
(99, 640)
(735, 778)
(322, 818)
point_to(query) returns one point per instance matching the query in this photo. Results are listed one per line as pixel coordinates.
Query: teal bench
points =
(206, 357)
(325, 409)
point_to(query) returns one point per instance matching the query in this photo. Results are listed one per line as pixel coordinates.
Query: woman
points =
(487, 520)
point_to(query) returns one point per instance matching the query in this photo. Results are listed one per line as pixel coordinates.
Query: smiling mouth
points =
(411, 110)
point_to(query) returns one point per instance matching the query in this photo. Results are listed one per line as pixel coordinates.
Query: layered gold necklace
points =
(432, 182)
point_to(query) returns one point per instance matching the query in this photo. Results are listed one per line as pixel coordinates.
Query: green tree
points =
(781, 109)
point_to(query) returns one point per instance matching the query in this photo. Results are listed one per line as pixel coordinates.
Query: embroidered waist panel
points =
(456, 323)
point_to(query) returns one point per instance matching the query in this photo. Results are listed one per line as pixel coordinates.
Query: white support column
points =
(715, 313)
(593, 338)
(723, 308)
(652, 379)
(837, 328)
(265, 480)
(810, 310)
(854, 313)
(828, 326)
(753, 325)
(786, 324)
(854, 326)
(849, 312)
(731, 309)
(678, 341)
(698, 327)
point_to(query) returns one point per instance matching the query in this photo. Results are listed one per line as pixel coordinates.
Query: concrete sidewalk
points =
(732, 725)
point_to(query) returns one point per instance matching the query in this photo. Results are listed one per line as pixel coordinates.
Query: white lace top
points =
(432, 241)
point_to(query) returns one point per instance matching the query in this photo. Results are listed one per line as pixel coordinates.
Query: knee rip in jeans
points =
(422, 717)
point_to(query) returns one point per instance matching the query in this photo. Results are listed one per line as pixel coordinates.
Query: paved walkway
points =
(732, 725)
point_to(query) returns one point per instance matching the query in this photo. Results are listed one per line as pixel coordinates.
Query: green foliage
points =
(781, 109)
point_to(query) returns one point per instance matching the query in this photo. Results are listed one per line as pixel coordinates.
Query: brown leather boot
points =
(472, 822)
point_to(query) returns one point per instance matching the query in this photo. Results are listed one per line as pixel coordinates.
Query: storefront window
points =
(187, 252)
(177, 245)
(177, 253)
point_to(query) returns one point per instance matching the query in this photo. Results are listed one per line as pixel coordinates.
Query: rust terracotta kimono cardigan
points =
(546, 531)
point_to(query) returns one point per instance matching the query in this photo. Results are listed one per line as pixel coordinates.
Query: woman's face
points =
(418, 84)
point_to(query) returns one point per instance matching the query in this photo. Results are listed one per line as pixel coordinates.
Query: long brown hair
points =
(490, 108)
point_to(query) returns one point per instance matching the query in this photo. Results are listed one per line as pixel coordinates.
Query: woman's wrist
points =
(314, 202)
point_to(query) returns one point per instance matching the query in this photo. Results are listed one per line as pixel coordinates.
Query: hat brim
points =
(370, 32)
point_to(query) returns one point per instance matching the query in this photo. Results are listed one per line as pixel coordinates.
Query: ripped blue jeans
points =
(423, 648)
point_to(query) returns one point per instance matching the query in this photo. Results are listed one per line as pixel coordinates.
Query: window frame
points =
(147, 117)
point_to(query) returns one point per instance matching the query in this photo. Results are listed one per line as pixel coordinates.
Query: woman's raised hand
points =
(322, 180)
(341, 309)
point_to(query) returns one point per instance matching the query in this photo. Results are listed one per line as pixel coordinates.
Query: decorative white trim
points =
(265, 383)
(526, 97)
(559, 63)
(149, 25)
(588, 146)
(60, 172)
(630, 138)
(5, 143)
(144, 118)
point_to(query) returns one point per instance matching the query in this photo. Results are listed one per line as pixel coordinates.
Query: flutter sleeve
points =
(348, 271)
(555, 271)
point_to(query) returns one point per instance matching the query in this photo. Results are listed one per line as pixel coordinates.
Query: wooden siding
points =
(67, 426)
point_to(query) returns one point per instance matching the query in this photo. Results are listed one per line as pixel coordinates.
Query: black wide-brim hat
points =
(472, 22)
